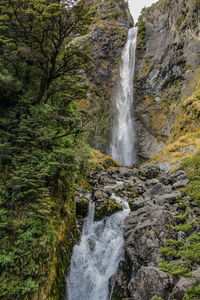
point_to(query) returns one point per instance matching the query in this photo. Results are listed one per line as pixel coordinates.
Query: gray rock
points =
(180, 183)
(98, 195)
(172, 197)
(159, 189)
(151, 182)
(180, 288)
(150, 281)
(138, 203)
(183, 284)
(144, 233)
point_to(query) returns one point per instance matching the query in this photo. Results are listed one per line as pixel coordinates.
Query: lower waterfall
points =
(123, 134)
(97, 256)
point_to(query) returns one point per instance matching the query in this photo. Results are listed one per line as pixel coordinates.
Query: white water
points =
(97, 257)
(123, 135)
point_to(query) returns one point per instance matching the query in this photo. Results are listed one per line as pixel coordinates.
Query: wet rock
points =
(151, 182)
(82, 202)
(91, 243)
(105, 208)
(98, 195)
(152, 197)
(145, 232)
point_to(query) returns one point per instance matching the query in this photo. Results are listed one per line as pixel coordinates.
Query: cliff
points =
(167, 80)
(45, 64)
(161, 250)
(106, 37)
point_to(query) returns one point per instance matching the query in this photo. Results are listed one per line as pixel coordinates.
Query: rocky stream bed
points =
(152, 195)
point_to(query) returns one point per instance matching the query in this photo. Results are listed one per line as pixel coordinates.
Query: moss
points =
(66, 236)
(141, 30)
(182, 257)
(131, 204)
(110, 206)
(100, 161)
(192, 167)
(82, 207)
(156, 298)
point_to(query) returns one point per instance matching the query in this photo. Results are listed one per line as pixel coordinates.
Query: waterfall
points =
(123, 135)
(97, 256)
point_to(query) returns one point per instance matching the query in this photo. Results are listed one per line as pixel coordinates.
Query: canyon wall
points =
(166, 83)
(106, 38)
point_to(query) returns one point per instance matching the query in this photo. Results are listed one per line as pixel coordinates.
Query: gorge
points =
(97, 257)
(76, 223)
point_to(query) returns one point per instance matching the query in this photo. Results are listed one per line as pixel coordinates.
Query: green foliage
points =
(43, 152)
(141, 30)
(186, 227)
(182, 257)
(174, 269)
(193, 292)
(192, 167)
(35, 38)
(156, 298)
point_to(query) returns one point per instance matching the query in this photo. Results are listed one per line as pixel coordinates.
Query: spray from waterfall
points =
(97, 256)
(123, 133)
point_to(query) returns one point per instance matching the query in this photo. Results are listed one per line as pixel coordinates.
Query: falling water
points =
(97, 256)
(123, 135)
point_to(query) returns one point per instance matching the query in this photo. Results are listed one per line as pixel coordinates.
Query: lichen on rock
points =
(167, 81)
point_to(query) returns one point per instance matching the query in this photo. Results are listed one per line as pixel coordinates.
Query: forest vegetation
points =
(43, 150)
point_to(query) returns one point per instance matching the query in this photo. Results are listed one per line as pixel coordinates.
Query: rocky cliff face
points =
(167, 86)
(154, 197)
(107, 35)
(156, 210)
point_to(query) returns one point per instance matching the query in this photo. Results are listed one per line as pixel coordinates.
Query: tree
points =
(42, 147)
(36, 36)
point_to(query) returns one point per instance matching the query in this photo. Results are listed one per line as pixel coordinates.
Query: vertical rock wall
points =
(167, 75)
(107, 35)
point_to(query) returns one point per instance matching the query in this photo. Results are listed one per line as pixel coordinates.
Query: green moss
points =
(183, 257)
(156, 298)
(182, 217)
(110, 206)
(141, 30)
(173, 268)
(193, 292)
(100, 161)
(192, 167)
(131, 204)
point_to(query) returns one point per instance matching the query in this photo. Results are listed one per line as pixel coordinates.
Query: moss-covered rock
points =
(106, 209)
(100, 161)
(82, 207)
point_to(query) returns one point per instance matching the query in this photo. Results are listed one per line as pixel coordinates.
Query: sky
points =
(137, 5)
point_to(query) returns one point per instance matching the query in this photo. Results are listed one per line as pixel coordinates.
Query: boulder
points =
(150, 281)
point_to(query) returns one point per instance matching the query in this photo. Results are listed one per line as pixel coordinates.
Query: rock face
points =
(146, 230)
(107, 35)
(167, 78)
(152, 195)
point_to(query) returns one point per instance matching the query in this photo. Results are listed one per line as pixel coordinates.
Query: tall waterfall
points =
(123, 135)
(97, 256)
